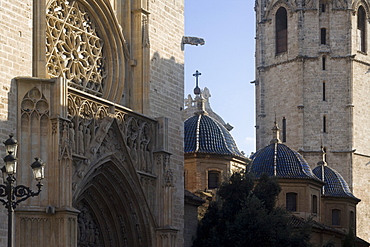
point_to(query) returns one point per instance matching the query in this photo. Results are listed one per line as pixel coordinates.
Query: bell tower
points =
(312, 75)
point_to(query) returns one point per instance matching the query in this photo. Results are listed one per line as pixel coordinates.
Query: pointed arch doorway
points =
(110, 212)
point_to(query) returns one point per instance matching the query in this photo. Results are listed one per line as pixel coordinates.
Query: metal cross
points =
(197, 89)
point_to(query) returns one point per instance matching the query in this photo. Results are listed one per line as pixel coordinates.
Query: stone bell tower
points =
(312, 71)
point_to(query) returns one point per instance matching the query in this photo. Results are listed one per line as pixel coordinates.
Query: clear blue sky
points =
(226, 61)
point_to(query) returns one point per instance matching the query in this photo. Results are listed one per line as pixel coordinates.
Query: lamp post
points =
(14, 194)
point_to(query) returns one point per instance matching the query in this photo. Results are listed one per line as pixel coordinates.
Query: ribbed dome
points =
(335, 185)
(204, 134)
(280, 161)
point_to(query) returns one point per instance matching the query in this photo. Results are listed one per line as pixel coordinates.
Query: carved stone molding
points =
(163, 161)
(93, 136)
(88, 232)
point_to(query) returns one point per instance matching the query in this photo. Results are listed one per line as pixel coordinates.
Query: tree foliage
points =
(245, 215)
(350, 239)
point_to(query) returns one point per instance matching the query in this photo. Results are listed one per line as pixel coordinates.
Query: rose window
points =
(74, 49)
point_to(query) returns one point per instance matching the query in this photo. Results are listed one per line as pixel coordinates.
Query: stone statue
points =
(80, 139)
(72, 137)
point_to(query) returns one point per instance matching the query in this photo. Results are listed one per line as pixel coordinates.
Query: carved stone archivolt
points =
(88, 232)
(113, 210)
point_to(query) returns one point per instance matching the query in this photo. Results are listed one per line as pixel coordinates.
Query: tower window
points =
(335, 217)
(324, 127)
(323, 7)
(284, 130)
(213, 179)
(324, 91)
(352, 219)
(323, 36)
(314, 204)
(361, 29)
(281, 30)
(291, 202)
(323, 63)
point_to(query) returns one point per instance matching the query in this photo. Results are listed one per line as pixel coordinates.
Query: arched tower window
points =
(323, 91)
(361, 29)
(323, 36)
(284, 129)
(291, 202)
(213, 179)
(314, 204)
(352, 219)
(281, 30)
(323, 63)
(335, 217)
(324, 124)
(323, 7)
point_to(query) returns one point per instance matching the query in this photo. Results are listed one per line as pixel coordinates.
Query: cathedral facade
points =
(312, 69)
(95, 89)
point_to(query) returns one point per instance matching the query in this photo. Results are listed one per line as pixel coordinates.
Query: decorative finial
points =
(275, 133)
(323, 161)
(197, 89)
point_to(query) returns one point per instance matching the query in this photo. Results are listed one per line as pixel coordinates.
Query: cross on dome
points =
(197, 89)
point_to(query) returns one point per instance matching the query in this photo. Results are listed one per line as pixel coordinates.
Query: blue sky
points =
(226, 61)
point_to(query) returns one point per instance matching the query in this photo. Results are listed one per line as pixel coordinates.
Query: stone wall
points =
(167, 88)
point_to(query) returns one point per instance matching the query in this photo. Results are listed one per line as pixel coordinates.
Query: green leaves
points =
(245, 215)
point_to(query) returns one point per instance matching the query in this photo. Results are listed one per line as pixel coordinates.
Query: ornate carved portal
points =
(114, 178)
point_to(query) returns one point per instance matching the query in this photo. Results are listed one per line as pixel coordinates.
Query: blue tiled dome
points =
(280, 161)
(335, 185)
(203, 134)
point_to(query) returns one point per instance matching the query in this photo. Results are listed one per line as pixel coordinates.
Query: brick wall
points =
(15, 60)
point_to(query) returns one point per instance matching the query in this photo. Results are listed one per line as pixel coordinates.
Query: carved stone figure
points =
(80, 139)
(340, 4)
(72, 137)
(87, 137)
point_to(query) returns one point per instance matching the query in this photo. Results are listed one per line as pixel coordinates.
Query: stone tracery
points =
(74, 48)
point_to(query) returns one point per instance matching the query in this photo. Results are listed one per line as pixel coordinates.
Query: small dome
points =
(280, 161)
(203, 134)
(335, 185)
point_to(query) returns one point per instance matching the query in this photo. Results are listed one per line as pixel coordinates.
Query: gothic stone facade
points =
(94, 88)
(312, 68)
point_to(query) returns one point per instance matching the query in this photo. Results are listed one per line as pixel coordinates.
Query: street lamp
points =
(16, 194)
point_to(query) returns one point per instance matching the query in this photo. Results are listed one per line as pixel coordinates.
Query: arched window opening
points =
(291, 202)
(323, 7)
(324, 63)
(213, 179)
(284, 129)
(335, 217)
(361, 29)
(323, 36)
(324, 127)
(324, 91)
(281, 30)
(314, 204)
(352, 219)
